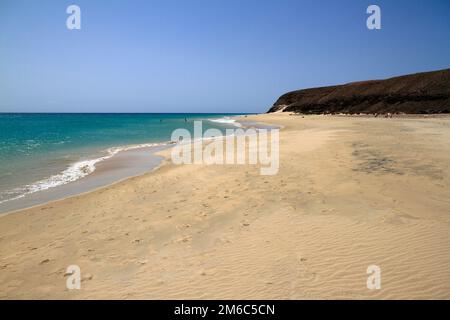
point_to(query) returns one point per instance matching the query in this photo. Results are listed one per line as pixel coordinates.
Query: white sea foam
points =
(73, 172)
(80, 169)
(226, 120)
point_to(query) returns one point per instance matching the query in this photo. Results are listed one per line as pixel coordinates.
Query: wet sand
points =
(123, 165)
(350, 192)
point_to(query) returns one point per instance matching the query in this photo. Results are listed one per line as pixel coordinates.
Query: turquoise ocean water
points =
(44, 151)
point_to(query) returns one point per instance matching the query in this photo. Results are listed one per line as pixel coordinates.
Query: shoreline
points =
(87, 183)
(168, 144)
(84, 184)
(81, 193)
(351, 192)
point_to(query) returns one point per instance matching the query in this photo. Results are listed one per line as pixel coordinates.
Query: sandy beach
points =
(350, 192)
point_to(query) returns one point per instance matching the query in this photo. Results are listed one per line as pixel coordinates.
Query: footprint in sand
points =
(86, 277)
(142, 261)
(184, 239)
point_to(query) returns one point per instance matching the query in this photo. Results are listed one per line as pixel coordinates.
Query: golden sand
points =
(350, 192)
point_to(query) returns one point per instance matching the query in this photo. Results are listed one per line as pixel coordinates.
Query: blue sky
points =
(205, 55)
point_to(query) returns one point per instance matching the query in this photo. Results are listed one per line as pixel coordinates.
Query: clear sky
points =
(205, 55)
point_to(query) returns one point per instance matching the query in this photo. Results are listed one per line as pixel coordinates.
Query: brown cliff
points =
(420, 93)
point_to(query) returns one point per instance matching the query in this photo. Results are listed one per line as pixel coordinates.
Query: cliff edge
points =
(420, 93)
